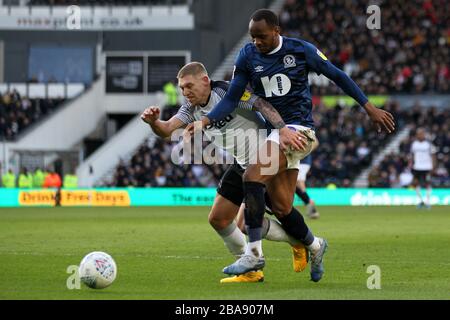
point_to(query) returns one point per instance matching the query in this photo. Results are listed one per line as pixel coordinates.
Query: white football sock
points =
(277, 233)
(428, 195)
(233, 239)
(254, 249)
(315, 245)
(419, 194)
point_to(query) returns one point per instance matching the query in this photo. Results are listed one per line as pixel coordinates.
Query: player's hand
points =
(191, 129)
(205, 122)
(295, 139)
(196, 126)
(381, 118)
(151, 114)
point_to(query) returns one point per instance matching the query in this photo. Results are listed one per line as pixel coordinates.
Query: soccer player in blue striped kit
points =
(277, 67)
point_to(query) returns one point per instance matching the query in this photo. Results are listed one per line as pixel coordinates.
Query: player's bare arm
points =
(287, 137)
(160, 127)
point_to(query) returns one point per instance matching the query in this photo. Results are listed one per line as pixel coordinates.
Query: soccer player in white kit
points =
(202, 95)
(305, 165)
(423, 163)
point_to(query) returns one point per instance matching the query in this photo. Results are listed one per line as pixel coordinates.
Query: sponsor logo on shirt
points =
(220, 124)
(246, 96)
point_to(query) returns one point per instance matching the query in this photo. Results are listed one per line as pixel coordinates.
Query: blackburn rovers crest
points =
(289, 61)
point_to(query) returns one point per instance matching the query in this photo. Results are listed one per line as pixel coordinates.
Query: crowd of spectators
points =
(347, 145)
(104, 2)
(408, 54)
(396, 169)
(18, 113)
(348, 142)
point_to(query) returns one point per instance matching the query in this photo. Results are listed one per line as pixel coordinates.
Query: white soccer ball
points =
(97, 270)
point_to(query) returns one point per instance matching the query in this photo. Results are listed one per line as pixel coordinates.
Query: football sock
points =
(265, 228)
(275, 232)
(302, 195)
(254, 248)
(254, 215)
(419, 194)
(295, 225)
(233, 239)
(428, 195)
(315, 245)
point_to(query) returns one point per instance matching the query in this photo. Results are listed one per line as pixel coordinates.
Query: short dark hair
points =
(266, 14)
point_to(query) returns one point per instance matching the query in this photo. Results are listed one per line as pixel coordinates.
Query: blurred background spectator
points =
(171, 92)
(70, 181)
(52, 179)
(9, 179)
(39, 178)
(25, 179)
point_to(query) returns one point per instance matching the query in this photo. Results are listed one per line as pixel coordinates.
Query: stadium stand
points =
(18, 112)
(347, 144)
(397, 59)
(151, 167)
(395, 169)
(103, 2)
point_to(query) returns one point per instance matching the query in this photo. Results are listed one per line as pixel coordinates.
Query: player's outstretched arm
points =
(161, 128)
(381, 118)
(320, 64)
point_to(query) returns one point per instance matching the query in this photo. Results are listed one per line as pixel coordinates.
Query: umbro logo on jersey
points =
(289, 61)
(259, 69)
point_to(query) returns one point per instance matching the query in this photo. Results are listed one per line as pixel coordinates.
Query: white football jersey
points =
(239, 133)
(422, 151)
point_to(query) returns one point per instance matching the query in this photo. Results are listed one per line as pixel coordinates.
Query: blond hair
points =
(192, 68)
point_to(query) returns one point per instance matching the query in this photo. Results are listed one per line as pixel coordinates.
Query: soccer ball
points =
(97, 270)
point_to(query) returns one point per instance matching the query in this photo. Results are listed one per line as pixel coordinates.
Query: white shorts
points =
(293, 157)
(303, 171)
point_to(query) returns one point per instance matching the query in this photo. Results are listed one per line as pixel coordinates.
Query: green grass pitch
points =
(173, 253)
